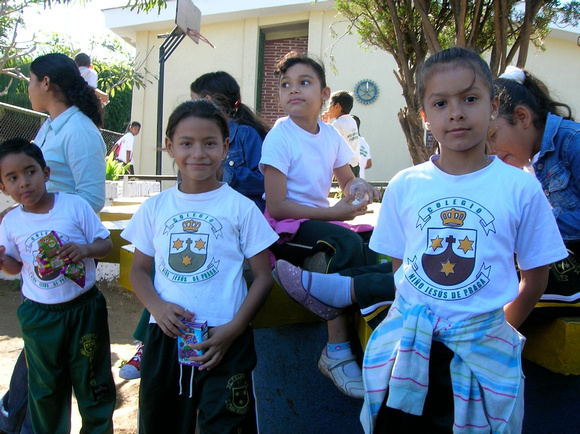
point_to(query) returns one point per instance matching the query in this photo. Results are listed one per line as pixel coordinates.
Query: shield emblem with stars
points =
(450, 255)
(187, 252)
(240, 398)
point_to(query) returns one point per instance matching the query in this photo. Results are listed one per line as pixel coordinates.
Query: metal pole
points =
(165, 50)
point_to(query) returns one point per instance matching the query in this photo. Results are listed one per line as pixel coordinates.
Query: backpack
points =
(115, 150)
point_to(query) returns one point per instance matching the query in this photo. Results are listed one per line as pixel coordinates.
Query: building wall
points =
(274, 50)
(346, 62)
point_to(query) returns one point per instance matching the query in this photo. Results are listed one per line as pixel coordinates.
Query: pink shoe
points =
(132, 369)
(289, 277)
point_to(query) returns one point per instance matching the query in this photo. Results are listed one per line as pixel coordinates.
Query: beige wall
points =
(237, 51)
(559, 68)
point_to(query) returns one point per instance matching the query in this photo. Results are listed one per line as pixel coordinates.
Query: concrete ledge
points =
(554, 345)
(115, 228)
(122, 201)
(125, 261)
(112, 213)
(362, 329)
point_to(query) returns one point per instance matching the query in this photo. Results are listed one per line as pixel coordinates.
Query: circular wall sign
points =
(366, 91)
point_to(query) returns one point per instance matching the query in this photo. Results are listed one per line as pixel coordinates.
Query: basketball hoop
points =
(194, 34)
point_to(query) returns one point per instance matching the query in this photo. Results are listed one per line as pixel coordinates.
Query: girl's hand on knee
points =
(168, 316)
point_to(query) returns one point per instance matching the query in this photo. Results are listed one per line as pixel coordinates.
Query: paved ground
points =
(296, 398)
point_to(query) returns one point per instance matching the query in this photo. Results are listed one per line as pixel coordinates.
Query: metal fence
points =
(19, 122)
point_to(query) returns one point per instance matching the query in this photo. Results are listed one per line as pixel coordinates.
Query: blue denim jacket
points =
(241, 164)
(558, 170)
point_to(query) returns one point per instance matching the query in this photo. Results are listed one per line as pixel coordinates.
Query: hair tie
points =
(514, 73)
(237, 104)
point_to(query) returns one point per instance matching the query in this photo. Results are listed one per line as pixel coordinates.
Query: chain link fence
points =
(19, 122)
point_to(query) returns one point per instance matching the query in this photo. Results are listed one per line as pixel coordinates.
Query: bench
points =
(554, 345)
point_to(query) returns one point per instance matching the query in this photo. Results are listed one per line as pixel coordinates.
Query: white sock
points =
(341, 351)
(332, 289)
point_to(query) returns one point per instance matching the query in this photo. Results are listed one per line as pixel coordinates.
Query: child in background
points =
(447, 356)
(366, 161)
(299, 157)
(64, 325)
(83, 61)
(126, 146)
(339, 107)
(197, 234)
(538, 133)
(240, 168)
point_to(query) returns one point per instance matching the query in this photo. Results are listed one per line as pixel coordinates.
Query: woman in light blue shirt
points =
(70, 139)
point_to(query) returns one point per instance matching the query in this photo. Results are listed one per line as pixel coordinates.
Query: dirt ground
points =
(124, 313)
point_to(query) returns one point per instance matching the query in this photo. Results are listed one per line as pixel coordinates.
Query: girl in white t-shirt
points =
(197, 235)
(300, 155)
(447, 356)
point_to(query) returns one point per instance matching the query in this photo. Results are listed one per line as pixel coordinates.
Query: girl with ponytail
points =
(70, 139)
(535, 131)
(247, 132)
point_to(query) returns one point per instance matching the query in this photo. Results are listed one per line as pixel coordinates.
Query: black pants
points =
(438, 412)
(171, 395)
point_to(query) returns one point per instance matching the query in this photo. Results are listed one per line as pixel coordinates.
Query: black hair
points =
(357, 121)
(343, 98)
(293, 58)
(135, 124)
(19, 145)
(455, 56)
(83, 59)
(224, 90)
(533, 94)
(64, 75)
(198, 108)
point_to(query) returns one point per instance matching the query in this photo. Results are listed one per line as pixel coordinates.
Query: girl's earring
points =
(492, 117)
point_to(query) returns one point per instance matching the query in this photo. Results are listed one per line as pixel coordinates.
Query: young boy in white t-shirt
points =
(339, 108)
(63, 316)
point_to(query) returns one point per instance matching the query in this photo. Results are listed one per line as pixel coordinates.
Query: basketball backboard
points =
(188, 19)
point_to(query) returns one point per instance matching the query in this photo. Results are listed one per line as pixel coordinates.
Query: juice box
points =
(198, 333)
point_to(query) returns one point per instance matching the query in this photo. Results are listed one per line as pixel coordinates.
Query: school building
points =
(249, 36)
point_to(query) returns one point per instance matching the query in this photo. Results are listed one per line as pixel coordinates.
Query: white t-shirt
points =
(347, 128)
(74, 221)
(365, 155)
(307, 160)
(90, 75)
(199, 242)
(457, 236)
(126, 143)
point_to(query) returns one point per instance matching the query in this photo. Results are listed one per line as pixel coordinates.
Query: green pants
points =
(68, 347)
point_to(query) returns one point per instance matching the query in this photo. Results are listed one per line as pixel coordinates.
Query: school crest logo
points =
(88, 345)
(191, 236)
(448, 268)
(188, 250)
(450, 255)
(239, 401)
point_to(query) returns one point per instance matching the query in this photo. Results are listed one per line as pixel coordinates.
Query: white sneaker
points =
(334, 369)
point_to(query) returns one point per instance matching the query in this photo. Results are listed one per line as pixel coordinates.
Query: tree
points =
(115, 78)
(411, 29)
(11, 52)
